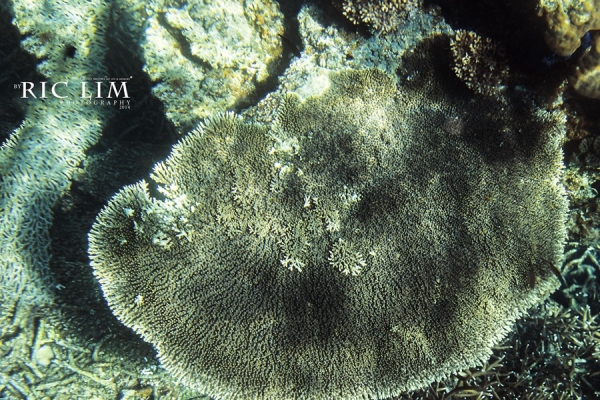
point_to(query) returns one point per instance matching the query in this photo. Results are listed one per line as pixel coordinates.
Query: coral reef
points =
(479, 62)
(580, 182)
(330, 48)
(297, 240)
(40, 160)
(586, 80)
(206, 56)
(380, 15)
(46, 178)
(568, 21)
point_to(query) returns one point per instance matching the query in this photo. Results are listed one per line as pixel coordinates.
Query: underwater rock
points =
(206, 56)
(372, 239)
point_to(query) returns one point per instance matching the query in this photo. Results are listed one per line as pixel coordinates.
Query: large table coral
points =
(372, 239)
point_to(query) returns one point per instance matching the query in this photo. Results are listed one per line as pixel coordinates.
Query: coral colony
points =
(254, 200)
(302, 239)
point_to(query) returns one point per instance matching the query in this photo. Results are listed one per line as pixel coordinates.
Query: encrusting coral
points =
(586, 80)
(568, 21)
(371, 240)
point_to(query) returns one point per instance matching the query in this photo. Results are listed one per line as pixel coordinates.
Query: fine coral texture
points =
(39, 159)
(357, 247)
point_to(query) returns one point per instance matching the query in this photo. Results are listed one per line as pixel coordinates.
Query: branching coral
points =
(382, 16)
(479, 62)
(447, 239)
